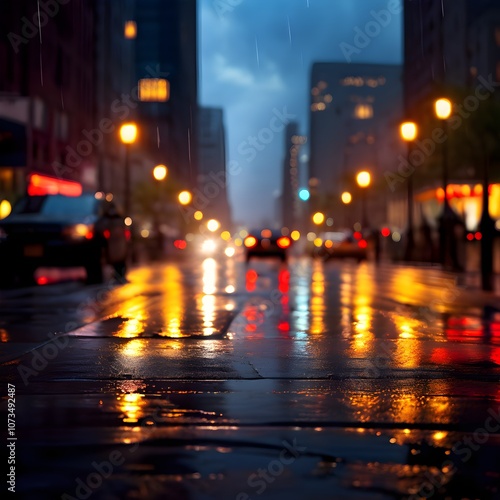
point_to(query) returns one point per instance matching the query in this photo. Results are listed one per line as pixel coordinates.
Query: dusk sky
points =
(255, 61)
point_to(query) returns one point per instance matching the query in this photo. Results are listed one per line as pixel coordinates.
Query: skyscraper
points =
(166, 75)
(354, 115)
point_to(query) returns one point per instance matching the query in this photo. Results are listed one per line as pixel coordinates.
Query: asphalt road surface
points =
(208, 379)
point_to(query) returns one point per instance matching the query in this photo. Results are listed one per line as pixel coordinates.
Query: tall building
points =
(450, 42)
(167, 78)
(115, 32)
(212, 181)
(291, 212)
(354, 116)
(46, 93)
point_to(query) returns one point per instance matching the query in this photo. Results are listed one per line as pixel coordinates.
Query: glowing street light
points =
(409, 132)
(213, 225)
(346, 198)
(128, 135)
(447, 243)
(363, 179)
(160, 172)
(185, 197)
(442, 108)
(318, 218)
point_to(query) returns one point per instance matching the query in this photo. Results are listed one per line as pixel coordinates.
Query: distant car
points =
(267, 243)
(62, 231)
(343, 244)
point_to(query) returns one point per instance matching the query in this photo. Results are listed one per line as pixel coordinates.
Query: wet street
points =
(207, 379)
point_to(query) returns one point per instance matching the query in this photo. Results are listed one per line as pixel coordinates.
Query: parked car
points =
(267, 243)
(343, 244)
(62, 231)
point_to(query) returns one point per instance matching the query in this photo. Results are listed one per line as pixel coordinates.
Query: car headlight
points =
(80, 231)
(208, 246)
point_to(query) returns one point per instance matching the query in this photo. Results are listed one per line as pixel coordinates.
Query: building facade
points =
(450, 45)
(355, 110)
(292, 212)
(212, 182)
(166, 74)
(47, 93)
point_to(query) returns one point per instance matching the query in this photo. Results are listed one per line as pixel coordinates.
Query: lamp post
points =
(185, 197)
(442, 108)
(409, 133)
(363, 179)
(160, 174)
(346, 198)
(128, 135)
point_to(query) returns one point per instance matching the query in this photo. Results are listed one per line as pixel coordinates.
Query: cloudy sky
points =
(255, 60)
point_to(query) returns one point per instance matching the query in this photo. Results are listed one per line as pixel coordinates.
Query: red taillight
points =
(42, 280)
(89, 235)
(362, 244)
(250, 241)
(470, 236)
(128, 234)
(478, 236)
(180, 244)
(283, 242)
(107, 234)
(357, 235)
(385, 232)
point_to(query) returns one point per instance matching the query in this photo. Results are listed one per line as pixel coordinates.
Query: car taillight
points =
(283, 242)
(128, 234)
(107, 234)
(180, 244)
(357, 235)
(362, 244)
(250, 241)
(80, 231)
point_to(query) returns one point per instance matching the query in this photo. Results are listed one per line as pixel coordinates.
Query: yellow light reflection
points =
(134, 348)
(173, 301)
(209, 276)
(208, 311)
(131, 405)
(317, 301)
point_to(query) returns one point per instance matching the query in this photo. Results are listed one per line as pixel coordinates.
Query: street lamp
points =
(409, 132)
(442, 109)
(213, 225)
(363, 179)
(318, 218)
(185, 197)
(160, 172)
(346, 198)
(128, 135)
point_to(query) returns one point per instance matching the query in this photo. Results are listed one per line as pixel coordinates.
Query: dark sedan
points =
(62, 231)
(267, 242)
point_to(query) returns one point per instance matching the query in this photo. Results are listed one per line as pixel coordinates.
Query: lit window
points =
(130, 29)
(363, 111)
(154, 90)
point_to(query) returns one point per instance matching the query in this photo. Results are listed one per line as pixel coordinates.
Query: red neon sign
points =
(41, 185)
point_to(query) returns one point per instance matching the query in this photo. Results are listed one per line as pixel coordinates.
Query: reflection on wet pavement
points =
(198, 374)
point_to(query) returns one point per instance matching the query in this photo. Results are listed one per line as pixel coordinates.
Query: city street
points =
(210, 378)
